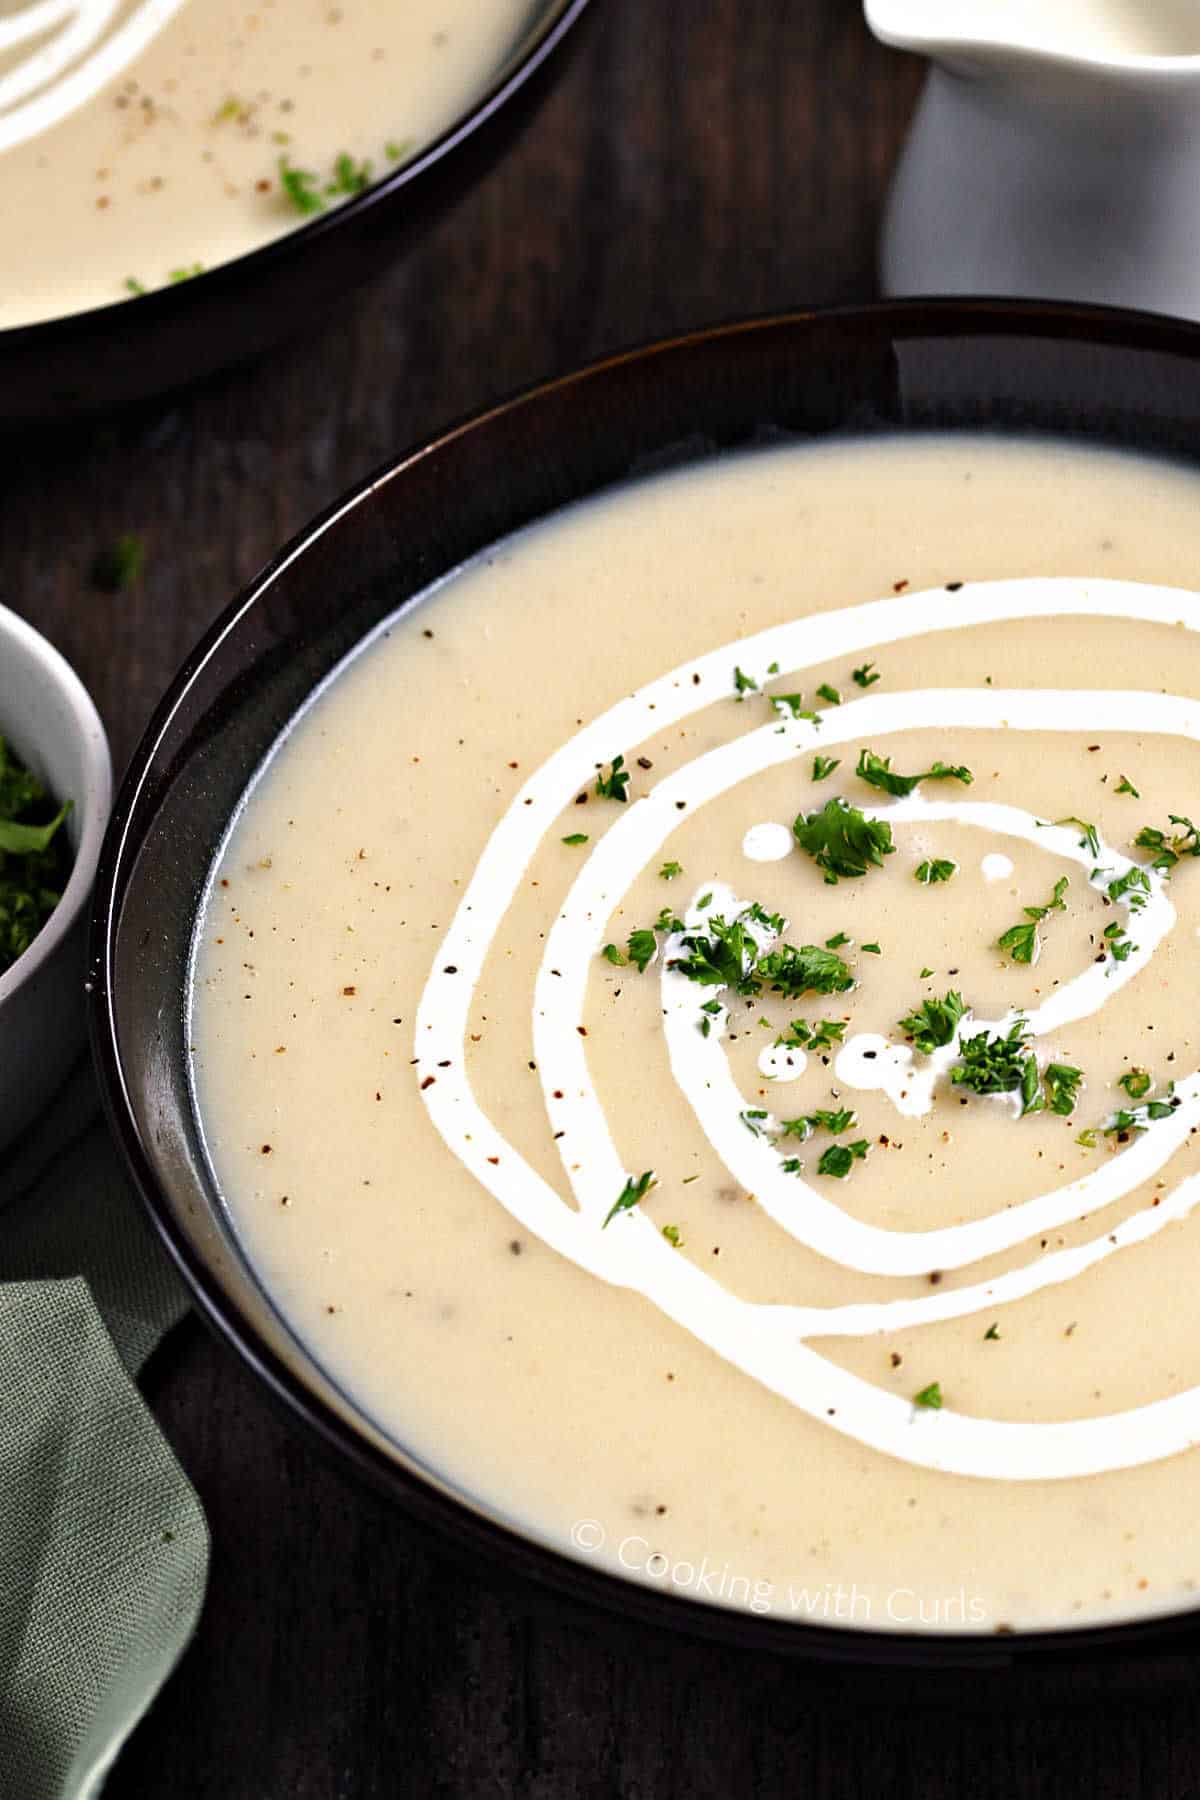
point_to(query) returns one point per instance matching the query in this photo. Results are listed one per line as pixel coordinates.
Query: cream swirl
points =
(56, 55)
(766, 1342)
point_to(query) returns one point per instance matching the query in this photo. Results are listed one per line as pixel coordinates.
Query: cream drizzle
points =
(765, 1341)
(73, 65)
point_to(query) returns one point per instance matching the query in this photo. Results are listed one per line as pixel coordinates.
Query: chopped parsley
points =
(745, 684)
(821, 1036)
(1125, 786)
(805, 970)
(35, 858)
(1061, 1083)
(940, 869)
(1123, 1122)
(396, 149)
(670, 870)
(807, 1123)
(1117, 942)
(935, 1022)
(630, 1194)
(187, 273)
(671, 1233)
(839, 1159)
(611, 954)
(1169, 847)
(643, 948)
(876, 771)
(825, 765)
(825, 692)
(576, 837)
(1136, 1082)
(300, 187)
(349, 177)
(999, 1064)
(1133, 887)
(723, 955)
(836, 941)
(930, 1397)
(872, 949)
(864, 676)
(842, 840)
(1021, 941)
(612, 786)
(792, 703)
(134, 286)
(992, 1334)
(1091, 838)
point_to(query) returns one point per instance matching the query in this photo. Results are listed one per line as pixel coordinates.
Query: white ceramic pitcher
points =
(1055, 151)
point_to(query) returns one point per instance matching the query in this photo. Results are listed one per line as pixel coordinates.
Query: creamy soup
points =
(143, 142)
(695, 1027)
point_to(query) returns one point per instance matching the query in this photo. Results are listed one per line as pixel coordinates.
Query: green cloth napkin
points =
(103, 1545)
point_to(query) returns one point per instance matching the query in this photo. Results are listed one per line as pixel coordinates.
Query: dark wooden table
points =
(699, 159)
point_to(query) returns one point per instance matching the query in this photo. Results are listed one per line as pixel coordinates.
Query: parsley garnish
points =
(745, 684)
(939, 870)
(1132, 887)
(1021, 941)
(792, 702)
(1062, 1088)
(630, 1194)
(872, 949)
(836, 941)
(396, 149)
(723, 955)
(1090, 839)
(611, 954)
(863, 675)
(612, 786)
(805, 970)
(1139, 1118)
(349, 177)
(300, 187)
(994, 1064)
(825, 765)
(930, 1396)
(576, 837)
(1136, 1082)
(991, 1335)
(876, 771)
(1117, 942)
(187, 273)
(134, 286)
(1125, 786)
(935, 1022)
(643, 948)
(825, 692)
(821, 1036)
(842, 840)
(1169, 847)
(671, 1233)
(807, 1123)
(839, 1159)
(670, 870)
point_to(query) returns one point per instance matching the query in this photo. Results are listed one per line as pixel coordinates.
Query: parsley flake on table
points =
(876, 771)
(842, 840)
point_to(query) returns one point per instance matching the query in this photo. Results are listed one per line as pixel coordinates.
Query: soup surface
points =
(173, 135)
(695, 1027)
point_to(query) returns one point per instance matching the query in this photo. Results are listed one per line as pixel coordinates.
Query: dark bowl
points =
(112, 356)
(1092, 375)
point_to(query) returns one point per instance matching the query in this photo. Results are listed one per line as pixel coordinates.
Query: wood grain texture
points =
(699, 159)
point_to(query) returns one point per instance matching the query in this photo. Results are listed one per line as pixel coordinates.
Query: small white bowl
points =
(48, 717)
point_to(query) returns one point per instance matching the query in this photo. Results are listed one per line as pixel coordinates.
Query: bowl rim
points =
(93, 804)
(41, 335)
(455, 1517)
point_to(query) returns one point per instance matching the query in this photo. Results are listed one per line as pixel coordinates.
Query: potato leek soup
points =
(695, 1028)
(146, 140)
